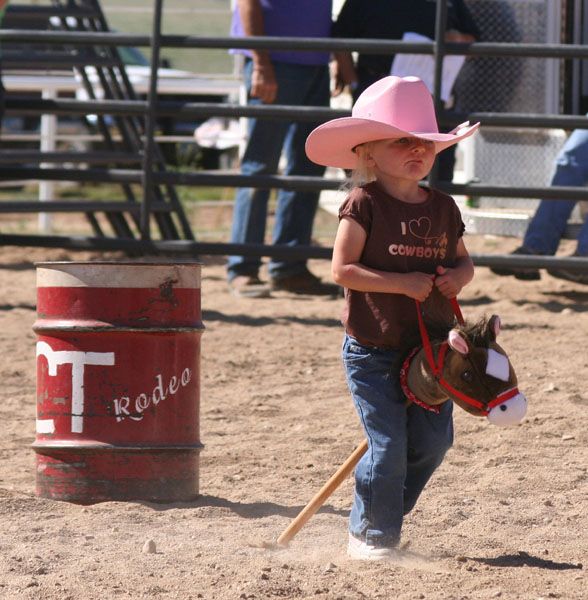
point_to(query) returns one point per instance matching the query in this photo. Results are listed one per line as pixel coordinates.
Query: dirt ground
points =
(504, 517)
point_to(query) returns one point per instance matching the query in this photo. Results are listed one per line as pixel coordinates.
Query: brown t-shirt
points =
(401, 238)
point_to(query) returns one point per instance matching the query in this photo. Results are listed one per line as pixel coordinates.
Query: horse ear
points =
(494, 326)
(457, 342)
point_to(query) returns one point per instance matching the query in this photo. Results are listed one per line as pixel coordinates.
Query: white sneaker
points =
(361, 551)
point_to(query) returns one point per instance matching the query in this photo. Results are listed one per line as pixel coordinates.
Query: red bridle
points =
(437, 369)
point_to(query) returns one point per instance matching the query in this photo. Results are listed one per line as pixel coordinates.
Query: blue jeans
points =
(551, 217)
(405, 444)
(298, 85)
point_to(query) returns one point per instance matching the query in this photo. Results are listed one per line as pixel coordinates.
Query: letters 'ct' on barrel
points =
(118, 381)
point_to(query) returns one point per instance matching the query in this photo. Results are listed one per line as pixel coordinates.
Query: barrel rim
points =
(114, 275)
(42, 446)
(116, 263)
(199, 328)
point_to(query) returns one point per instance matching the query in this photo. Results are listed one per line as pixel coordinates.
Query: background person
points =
(382, 19)
(397, 242)
(289, 78)
(550, 220)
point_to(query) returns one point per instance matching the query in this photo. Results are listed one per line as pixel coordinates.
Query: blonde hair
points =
(362, 173)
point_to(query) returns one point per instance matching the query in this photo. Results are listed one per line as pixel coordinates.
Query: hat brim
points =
(332, 143)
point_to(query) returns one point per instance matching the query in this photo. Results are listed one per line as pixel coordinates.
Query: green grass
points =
(209, 219)
(180, 17)
(186, 22)
(106, 192)
(110, 192)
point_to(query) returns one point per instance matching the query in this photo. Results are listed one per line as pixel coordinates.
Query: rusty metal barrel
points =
(118, 381)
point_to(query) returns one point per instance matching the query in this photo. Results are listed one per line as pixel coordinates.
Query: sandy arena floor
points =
(504, 517)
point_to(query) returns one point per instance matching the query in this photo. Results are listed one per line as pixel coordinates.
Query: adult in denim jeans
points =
(406, 445)
(288, 78)
(397, 244)
(550, 220)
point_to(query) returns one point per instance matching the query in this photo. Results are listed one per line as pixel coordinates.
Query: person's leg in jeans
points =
(301, 85)
(551, 217)
(430, 435)
(582, 247)
(264, 147)
(377, 512)
(549, 222)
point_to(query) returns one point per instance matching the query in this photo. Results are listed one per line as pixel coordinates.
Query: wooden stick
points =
(319, 499)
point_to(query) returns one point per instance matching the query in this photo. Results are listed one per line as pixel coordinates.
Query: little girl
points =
(397, 242)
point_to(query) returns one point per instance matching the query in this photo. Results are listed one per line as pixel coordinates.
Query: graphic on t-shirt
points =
(434, 247)
(420, 228)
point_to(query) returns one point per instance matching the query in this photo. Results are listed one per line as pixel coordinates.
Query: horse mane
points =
(478, 333)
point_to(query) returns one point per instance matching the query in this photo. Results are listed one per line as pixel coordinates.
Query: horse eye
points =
(467, 376)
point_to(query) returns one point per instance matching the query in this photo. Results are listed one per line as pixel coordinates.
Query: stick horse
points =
(466, 366)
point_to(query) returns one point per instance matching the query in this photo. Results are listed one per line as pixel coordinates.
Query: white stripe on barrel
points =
(141, 275)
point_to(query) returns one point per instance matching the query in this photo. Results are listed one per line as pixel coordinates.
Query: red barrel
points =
(118, 381)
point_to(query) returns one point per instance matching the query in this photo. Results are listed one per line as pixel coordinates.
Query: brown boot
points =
(575, 276)
(522, 273)
(249, 286)
(305, 283)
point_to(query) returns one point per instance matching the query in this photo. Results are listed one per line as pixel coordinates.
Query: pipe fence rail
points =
(167, 108)
(149, 110)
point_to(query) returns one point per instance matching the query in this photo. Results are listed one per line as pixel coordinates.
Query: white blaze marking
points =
(497, 365)
(77, 360)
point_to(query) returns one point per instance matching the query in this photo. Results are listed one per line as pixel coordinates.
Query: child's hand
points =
(418, 285)
(447, 282)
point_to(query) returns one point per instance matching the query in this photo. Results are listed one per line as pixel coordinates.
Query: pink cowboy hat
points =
(392, 107)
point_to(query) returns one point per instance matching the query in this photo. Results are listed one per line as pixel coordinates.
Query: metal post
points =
(150, 120)
(48, 133)
(440, 26)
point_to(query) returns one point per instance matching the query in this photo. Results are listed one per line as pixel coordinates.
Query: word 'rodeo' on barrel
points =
(123, 407)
